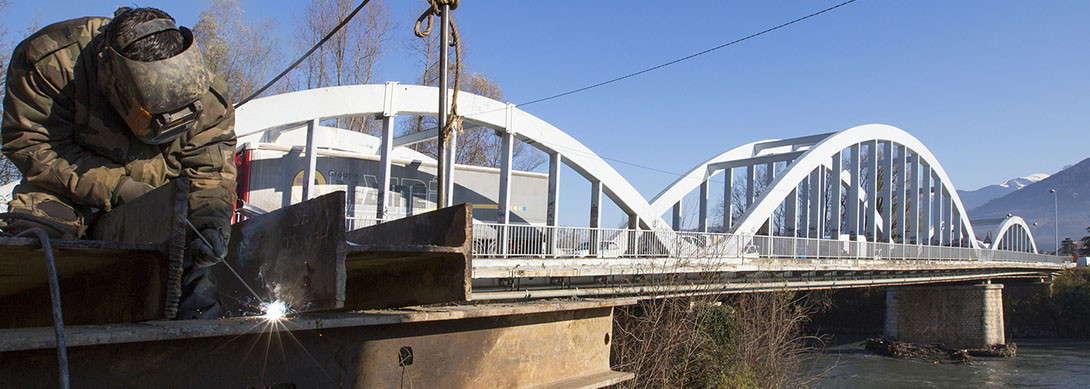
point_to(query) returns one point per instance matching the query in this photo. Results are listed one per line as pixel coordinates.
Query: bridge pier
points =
(958, 316)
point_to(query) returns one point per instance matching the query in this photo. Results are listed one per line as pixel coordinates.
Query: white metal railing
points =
(491, 240)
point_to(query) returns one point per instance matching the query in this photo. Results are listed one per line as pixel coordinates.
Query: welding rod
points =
(232, 269)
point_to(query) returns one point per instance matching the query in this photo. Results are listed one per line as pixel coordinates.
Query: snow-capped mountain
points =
(1041, 208)
(976, 198)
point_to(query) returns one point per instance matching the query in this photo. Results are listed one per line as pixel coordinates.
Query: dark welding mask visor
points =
(159, 100)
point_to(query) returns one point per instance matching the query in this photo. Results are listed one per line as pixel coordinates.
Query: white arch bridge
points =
(869, 205)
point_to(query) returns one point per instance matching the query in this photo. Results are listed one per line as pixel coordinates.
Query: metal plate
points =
(422, 259)
(295, 254)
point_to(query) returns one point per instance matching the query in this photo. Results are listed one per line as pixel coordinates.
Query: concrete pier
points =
(958, 316)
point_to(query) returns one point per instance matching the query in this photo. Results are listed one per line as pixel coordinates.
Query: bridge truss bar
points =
(854, 188)
(835, 184)
(872, 191)
(912, 199)
(728, 199)
(677, 222)
(758, 160)
(770, 174)
(900, 198)
(382, 208)
(795, 142)
(702, 216)
(887, 191)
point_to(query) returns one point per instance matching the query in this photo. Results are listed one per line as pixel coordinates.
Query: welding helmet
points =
(159, 100)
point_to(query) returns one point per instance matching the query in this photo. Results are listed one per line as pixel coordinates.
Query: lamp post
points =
(1056, 212)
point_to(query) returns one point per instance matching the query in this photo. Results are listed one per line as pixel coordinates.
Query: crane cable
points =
(454, 121)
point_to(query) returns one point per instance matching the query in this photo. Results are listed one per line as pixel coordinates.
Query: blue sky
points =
(996, 89)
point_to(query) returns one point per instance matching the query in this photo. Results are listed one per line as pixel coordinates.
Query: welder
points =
(99, 111)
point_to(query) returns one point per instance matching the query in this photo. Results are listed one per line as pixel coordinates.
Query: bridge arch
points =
(935, 215)
(944, 198)
(260, 119)
(1013, 234)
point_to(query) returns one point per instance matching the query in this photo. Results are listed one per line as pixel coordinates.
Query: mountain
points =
(1035, 204)
(976, 198)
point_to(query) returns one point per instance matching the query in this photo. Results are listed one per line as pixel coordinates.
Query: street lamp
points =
(1056, 212)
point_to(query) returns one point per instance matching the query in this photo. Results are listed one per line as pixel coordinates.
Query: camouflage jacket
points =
(63, 135)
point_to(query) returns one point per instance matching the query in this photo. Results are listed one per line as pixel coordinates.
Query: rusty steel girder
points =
(562, 344)
(131, 271)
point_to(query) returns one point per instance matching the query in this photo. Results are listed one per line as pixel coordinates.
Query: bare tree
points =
(8, 172)
(349, 57)
(239, 52)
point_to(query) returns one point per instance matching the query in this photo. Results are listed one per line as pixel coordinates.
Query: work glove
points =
(128, 190)
(202, 254)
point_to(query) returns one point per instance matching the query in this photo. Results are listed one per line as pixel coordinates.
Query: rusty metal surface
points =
(100, 282)
(295, 254)
(157, 217)
(17, 339)
(422, 259)
(131, 271)
(517, 345)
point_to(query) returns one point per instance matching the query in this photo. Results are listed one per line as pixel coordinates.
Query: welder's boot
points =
(199, 299)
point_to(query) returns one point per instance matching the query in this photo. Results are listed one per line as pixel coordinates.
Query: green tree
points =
(1067, 247)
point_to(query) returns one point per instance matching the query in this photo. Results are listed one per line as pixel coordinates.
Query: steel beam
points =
(295, 254)
(854, 188)
(804, 209)
(421, 259)
(913, 200)
(814, 229)
(872, 191)
(770, 174)
(926, 203)
(702, 216)
(759, 160)
(790, 207)
(887, 191)
(529, 344)
(835, 182)
(552, 215)
(595, 216)
(728, 199)
(677, 220)
(130, 271)
(503, 212)
(751, 185)
(385, 167)
(312, 160)
(800, 141)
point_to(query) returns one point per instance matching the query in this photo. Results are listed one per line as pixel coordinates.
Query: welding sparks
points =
(274, 311)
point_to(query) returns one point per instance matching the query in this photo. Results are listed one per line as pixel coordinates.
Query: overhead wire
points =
(302, 58)
(665, 64)
(687, 57)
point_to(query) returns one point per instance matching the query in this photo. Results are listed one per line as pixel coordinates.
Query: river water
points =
(1040, 363)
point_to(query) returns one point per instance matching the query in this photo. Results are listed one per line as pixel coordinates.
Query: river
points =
(1040, 363)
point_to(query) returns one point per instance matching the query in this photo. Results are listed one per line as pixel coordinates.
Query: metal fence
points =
(492, 240)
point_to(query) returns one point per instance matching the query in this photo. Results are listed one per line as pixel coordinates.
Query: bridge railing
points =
(491, 240)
